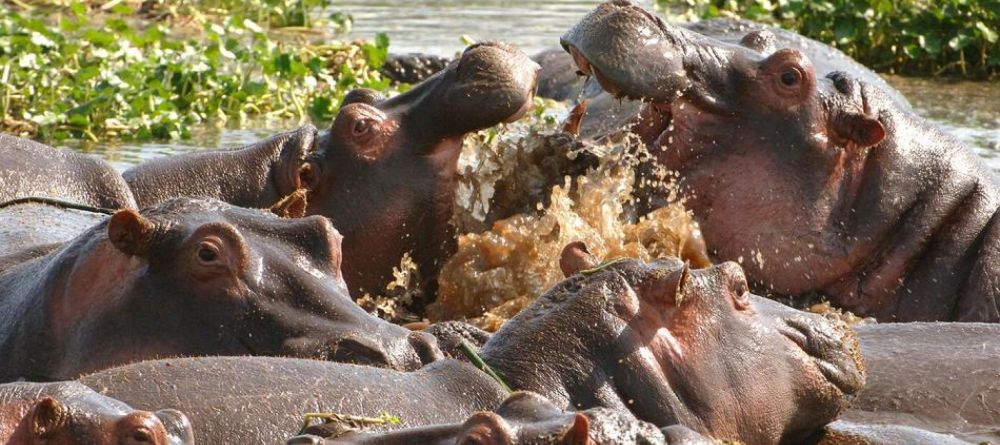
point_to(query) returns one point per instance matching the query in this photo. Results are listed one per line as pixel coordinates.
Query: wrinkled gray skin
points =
(847, 433)
(31, 169)
(819, 184)
(68, 413)
(940, 377)
(523, 418)
(676, 359)
(186, 277)
(254, 176)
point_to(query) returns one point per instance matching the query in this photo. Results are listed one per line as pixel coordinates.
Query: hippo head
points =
(385, 170)
(799, 175)
(76, 415)
(523, 418)
(680, 346)
(202, 277)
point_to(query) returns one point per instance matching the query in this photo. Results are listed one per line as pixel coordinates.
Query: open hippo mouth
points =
(633, 54)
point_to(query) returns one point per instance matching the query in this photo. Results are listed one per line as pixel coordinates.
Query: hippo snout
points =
(834, 348)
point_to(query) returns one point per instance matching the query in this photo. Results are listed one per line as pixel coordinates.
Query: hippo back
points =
(31, 230)
(31, 169)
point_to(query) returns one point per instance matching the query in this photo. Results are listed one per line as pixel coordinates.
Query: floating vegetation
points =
(70, 75)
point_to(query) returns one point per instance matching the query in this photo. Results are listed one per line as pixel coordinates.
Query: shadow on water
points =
(968, 110)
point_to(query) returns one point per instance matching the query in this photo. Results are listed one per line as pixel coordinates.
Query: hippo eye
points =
(139, 436)
(362, 126)
(791, 77)
(207, 253)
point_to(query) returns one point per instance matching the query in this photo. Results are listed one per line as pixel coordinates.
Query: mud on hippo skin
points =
(523, 418)
(667, 344)
(68, 413)
(827, 187)
(385, 171)
(31, 169)
(191, 277)
(256, 175)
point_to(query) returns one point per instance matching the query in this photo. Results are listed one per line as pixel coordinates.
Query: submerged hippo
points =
(68, 413)
(31, 169)
(816, 184)
(525, 418)
(668, 344)
(188, 277)
(384, 172)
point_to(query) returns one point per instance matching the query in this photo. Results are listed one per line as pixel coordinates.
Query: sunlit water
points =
(968, 110)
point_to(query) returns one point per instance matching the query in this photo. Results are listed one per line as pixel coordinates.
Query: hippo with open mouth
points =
(816, 185)
(668, 344)
(68, 413)
(185, 277)
(384, 173)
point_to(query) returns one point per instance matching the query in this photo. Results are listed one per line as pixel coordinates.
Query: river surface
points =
(967, 110)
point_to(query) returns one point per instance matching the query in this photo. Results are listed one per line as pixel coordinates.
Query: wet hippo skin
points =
(818, 183)
(68, 413)
(187, 277)
(941, 377)
(31, 169)
(650, 324)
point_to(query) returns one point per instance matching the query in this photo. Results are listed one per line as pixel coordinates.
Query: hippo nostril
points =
(356, 350)
(305, 439)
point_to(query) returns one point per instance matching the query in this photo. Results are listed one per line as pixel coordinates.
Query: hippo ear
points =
(130, 232)
(579, 433)
(861, 130)
(572, 123)
(575, 257)
(291, 206)
(48, 417)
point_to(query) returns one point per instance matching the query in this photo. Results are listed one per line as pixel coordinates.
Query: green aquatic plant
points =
(67, 75)
(910, 37)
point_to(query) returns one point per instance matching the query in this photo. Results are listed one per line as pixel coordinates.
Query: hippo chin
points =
(189, 277)
(385, 172)
(30, 169)
(817, 185)
(666, 344)
(68, 413)
(525, 418)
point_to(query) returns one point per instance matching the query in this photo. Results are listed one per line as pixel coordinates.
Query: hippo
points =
(257, 175)
(187, 277)
(68, 413)
(668, 344)
(29, 169)
(523, 418)
(818, 185)
(384, 172)
(938, 377)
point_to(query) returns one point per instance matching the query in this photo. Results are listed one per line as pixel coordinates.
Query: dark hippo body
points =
(256, 176)
(940, 377)
(818, 183)
(31, 169)
(384, 173)
(68, 413)
(186, 277)
(524, 418)
(668, 344)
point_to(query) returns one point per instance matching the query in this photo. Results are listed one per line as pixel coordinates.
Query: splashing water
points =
(517, 183)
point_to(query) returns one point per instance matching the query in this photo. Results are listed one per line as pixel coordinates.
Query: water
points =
(968, 110)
